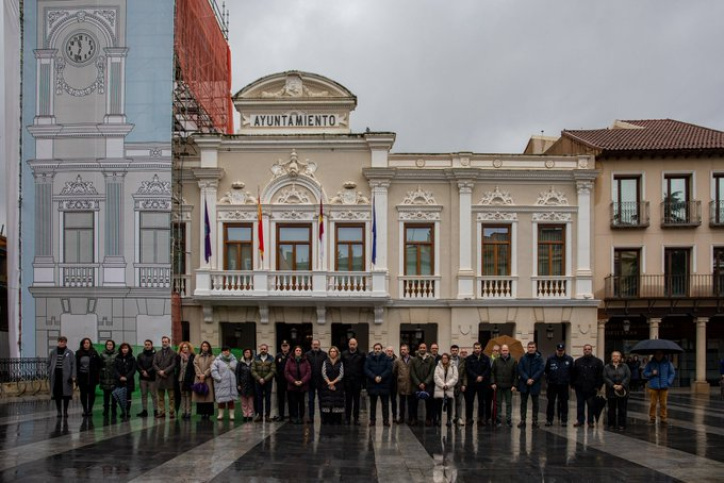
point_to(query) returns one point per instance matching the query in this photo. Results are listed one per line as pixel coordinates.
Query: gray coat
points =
(69, 371)
(167, 364)
(224, 375)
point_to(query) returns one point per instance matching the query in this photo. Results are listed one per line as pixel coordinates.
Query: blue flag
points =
(374, 231)
(207, 233)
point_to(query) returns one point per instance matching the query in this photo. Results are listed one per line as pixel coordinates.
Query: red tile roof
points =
(650, 135)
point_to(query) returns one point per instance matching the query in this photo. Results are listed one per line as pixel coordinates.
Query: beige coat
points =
(202, 366)
(401, 372)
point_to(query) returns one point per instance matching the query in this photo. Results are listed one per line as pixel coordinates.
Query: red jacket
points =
(298, 371)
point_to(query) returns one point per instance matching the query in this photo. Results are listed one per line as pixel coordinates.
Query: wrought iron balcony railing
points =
(630, 214)
(665, 286)
(680, 214)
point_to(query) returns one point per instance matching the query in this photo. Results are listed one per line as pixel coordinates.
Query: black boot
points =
(66, 402)
(58, 407)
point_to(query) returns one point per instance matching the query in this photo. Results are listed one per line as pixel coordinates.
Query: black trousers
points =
(87, 396)
(557, 402)
(393, 400)
(584, 400)
(471, 391)
(385, 406)
(262, 395)
(281, 399)
(296, 404)
(406, 404)
(352, 391)
(617, 411)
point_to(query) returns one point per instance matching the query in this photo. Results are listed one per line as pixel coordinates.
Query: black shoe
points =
(535, 424)
(356, 422)
(449, 423)
(521, 424)
(510, 424)
(143, 414)
(549, 424)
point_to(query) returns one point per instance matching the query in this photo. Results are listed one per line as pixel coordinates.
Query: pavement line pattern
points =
(709, 429)
(27, 453)
(35, 416)
(671, 462)
(400, 456)
(206, 461)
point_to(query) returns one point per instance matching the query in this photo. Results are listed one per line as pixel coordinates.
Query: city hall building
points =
(297, 228)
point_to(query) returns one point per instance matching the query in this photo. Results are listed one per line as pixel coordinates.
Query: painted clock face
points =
(80, 48)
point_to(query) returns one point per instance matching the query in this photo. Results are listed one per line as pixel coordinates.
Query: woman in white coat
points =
(223, 371)
(446, 376)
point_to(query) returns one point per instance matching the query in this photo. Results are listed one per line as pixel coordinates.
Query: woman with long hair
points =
(245, 384)
(88, 366)
(202, 366)
(108, 376)
(223, 370)
(125, 371)
(445, 377)
(332, 392)
(186, 376)
(297, 372)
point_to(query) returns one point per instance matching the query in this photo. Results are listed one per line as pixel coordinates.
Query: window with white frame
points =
(78, 237)
(551, 250)
(155, 237)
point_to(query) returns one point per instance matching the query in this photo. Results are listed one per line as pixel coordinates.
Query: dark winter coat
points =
(281, 362)
(475, 367)
(144, 362)
(108, 374)
(69, 370)
(244, 379)
(378, 365)
(125, 367)
(530, 366)
(332, 401)
(616, 375)
(298, 370)
(316, 359)
(558, 369)
(587, 375)
(93, 377)
(165, 360)
(504, 372)
(189, 375)
(354, 368)
(423, 372)
(263, 369)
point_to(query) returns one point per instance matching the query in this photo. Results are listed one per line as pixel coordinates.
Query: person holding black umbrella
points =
(661, 373)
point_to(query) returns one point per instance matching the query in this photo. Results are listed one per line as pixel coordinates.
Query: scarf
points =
(184, 356)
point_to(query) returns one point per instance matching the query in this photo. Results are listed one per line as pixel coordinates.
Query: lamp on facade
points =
(550, 332)
(350, 334)
(495, 331)
(293, 334)
(237, 332)
(626, 326)
(418, 333)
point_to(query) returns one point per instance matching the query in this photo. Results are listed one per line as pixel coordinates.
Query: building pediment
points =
(294, 102)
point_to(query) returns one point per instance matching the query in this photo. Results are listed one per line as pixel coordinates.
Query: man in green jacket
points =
(263, 370)
(502, 377)
(422, 373)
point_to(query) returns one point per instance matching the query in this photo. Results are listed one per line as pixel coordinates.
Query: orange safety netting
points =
(205, 60)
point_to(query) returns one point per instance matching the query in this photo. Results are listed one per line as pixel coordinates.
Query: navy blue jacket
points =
(378, 365)
(530, 367)
(558, 369)
(477, 366)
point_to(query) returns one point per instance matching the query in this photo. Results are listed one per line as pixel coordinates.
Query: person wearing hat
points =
(617, 377)
(281, 362)
(558, 375)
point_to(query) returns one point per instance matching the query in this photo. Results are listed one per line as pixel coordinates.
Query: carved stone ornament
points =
(293, 215)
(237, 197)
(496, 197)
(419, 197)
(349, 215)
(292, 196)
(349, 196)
(154, 204)
(294, 87)
(154, 187)
(551, 216)
(294, 167)
(56, 20)
(552, 197)
(79, 205)
(79, 188)
(62, 86)
(419, 215)
(497, 216)
(236, 215)
(154, 195)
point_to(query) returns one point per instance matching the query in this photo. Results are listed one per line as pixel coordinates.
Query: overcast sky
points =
(483, 75)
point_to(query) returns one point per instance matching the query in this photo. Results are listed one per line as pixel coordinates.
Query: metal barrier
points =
(23, 369)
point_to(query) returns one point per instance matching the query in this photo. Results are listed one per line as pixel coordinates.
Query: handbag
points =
(200, 388)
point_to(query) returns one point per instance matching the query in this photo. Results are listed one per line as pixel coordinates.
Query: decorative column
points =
(114, 263)
(43, 264)
(654, 324)
(45, 62)
(601, 339)
(584, 276)
(466, 275)
(379, 197)
(115, 93)
(700, 385)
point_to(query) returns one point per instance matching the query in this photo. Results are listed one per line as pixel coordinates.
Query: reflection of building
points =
(97, 169)
(659, 251)
(466, 245)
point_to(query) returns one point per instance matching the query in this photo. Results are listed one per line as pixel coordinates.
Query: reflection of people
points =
(617, 377)
(660, 372)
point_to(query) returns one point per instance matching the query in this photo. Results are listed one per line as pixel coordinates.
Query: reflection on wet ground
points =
(37, 446)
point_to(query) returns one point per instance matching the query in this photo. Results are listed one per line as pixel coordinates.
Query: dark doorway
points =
(342, 333)
(486, 332)
(415, 334)
(296, 334)
(239, 335)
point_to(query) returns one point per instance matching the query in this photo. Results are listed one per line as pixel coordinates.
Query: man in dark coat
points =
(281, 362)
(263, 370)
(147, 378)
(503, 375)
(354, 363)
(586, 379)
(422, 373)
(530, 379)
(378, 369)
(477, 367)
(164, 363)
(390, 351)
(316, 358)
(559, 367)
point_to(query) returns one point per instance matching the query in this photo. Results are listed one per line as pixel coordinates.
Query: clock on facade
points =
(80, 48)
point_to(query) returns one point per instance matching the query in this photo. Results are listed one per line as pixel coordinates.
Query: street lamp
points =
(293, 333)
(550, 332)
(495, 331)
(418, 333)
(626, 326)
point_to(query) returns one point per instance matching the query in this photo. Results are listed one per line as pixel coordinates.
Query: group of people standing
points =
(444, 383)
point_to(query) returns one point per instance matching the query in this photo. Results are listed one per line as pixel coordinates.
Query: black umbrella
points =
(650, 346)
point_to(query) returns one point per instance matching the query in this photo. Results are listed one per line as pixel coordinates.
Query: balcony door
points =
(677, 270)
(676, 199)
(294, 247)
(718, 271)
(626, 271)
(626, 200)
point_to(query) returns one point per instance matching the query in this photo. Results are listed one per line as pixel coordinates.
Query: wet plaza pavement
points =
(37, 446)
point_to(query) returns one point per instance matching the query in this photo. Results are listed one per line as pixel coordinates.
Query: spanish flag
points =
(260, 227)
